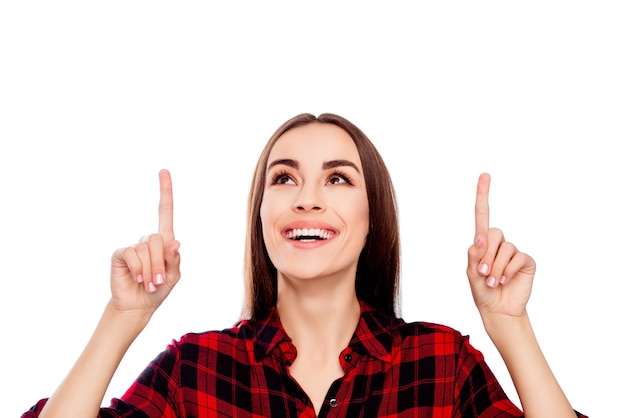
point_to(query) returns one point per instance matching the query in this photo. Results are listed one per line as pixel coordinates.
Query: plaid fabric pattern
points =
(392, 369)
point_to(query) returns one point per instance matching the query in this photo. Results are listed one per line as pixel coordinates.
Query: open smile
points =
(309, 234)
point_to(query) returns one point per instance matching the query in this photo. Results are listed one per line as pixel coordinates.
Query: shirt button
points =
(348, 358)
(333, 403)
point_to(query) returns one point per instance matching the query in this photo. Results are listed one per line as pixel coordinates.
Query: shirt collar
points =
(373, 336)
(374, 333)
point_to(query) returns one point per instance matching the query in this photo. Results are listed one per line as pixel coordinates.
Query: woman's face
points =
(314, 213)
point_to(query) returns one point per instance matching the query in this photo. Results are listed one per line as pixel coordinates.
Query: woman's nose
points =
(309, 199)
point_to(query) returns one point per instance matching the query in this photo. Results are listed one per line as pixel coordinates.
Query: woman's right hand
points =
(143, 275)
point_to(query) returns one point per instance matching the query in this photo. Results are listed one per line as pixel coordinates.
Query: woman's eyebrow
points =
(285, 161)
(339, 163)
(326, 165)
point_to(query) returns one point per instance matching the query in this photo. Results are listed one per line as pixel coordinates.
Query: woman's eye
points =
(283, 179)
(338, 179)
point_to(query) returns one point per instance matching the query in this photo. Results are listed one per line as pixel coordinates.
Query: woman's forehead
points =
(315, 141)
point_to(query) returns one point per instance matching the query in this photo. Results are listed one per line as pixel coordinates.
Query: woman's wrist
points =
(129, 323)
(502, 328)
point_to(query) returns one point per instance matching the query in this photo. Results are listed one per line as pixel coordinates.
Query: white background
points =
(96, 97)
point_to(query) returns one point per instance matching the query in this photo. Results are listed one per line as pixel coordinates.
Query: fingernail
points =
(479, 242)
(151, 287)
(158, 279)
(502, 279)
(139, 278)
(483, 269)
(491, 282)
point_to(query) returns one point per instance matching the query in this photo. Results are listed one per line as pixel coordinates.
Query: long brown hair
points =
(378, 269)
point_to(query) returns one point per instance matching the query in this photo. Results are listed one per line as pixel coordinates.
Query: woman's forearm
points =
(81, 392)
(538, 390)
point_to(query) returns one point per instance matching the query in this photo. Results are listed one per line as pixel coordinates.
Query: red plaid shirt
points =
(392, 369)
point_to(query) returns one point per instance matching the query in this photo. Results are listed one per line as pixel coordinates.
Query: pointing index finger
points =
(482, 207)
(166, 206)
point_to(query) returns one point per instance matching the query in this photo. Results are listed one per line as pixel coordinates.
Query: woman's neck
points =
(318, 313)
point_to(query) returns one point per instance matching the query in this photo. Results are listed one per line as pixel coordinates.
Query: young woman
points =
(320, 334)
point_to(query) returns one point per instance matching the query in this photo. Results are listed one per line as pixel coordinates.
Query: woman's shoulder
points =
(428, 327)
(241, 331)
(245, 334)
(429, 330)
(246, 342)
(203, 346)
(394, 328)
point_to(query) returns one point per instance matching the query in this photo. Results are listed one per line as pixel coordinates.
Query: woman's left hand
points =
(500, 275)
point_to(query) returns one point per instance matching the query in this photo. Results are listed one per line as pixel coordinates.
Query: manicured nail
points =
(502, 279)
(479, 242)
(139, 278)
(483, 269)
(151, 287)
(491, 282)
(158, 279)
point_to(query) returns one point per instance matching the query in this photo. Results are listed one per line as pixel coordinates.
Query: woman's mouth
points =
(309, 234)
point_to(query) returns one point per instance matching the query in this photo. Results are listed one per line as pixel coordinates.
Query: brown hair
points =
(378, 269)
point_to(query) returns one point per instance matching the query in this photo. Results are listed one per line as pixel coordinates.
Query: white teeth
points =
(309, 232)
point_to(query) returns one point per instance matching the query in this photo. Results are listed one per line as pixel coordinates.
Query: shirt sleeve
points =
(155, 393)
(479, 393)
